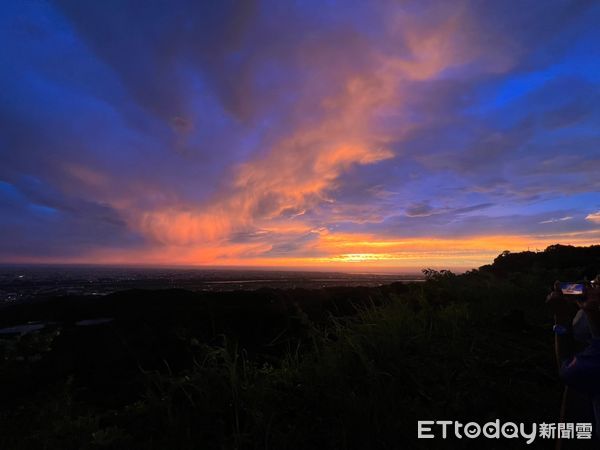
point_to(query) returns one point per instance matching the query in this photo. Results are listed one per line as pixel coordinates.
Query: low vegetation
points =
(338, 368)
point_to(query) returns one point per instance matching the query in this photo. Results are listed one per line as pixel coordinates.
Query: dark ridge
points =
(566, 260)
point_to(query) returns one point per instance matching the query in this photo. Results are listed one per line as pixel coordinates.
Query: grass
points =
(471, 347)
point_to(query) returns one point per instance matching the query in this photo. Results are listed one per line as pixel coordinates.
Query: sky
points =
(354, 135)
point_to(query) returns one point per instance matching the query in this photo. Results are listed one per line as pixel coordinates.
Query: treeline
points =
(565, 260)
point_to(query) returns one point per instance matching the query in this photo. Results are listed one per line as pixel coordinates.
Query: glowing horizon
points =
(455, 254)
(317, 135)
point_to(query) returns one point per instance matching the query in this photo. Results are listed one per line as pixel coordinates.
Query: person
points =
(577, 322)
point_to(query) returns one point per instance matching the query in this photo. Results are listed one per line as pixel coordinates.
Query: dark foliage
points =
(336, 368)
(571, 262)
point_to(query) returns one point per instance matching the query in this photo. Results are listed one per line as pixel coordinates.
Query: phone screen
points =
(571, 288)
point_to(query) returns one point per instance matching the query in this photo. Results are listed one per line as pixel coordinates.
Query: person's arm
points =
(591, 307)
(564, 311)
(563, 348)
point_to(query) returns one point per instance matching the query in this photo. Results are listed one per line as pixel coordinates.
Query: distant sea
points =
(18, 283)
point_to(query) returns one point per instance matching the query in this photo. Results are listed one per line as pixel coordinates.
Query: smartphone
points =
(571, 288)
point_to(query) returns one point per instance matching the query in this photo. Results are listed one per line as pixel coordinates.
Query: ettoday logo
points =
(432, 429)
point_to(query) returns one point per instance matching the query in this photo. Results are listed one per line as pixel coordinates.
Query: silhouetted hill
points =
(565, 260)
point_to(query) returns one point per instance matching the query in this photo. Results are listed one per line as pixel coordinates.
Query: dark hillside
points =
(335, 368)
(565, 261)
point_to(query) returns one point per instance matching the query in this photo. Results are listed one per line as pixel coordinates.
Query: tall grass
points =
(473, 347)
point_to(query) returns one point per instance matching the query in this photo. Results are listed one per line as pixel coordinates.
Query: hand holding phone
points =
(562, 304)
(570, 288)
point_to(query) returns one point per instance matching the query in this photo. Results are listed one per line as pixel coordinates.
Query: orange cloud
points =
(593, 217)
(346, 252)
(269, 194)
(299, 171)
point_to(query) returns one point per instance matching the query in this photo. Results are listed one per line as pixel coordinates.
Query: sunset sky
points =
(354, 135)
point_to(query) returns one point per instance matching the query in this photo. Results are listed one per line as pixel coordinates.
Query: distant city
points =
(20, 283)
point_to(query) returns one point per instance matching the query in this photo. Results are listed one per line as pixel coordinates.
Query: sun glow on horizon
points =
(330, 253)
